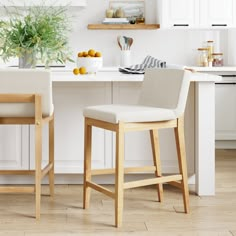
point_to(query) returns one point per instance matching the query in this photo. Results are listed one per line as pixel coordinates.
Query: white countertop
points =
(214, 69)
(111, 74)
(108, 74)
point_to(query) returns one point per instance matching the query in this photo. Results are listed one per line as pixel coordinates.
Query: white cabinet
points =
(177, 13)
(69, 101)
(14, 146)
(137, 144)
(226, 111)
(196, 13)
(217, 13)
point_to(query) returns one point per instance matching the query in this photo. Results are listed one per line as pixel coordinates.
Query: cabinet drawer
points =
(226, 111)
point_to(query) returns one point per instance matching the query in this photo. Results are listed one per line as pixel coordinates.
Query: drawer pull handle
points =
(181, 25)
(222, 25)
(230, 83)
(228, 76)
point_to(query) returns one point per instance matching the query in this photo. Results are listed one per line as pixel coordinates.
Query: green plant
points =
(37, 29)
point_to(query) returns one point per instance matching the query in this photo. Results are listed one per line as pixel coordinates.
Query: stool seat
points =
(128, 113)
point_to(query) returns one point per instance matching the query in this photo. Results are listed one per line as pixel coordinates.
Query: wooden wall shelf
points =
(123, 26)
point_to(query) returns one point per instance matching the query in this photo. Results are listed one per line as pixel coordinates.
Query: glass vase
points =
(27, 60)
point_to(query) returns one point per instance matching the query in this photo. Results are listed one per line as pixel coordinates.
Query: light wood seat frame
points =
(38, 120)
(179, 180)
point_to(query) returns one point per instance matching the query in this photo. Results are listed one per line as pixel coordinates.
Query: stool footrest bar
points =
(16, 189)
(101, 189)
(46, 170)
(126, 170)
(176, 184)
(158, 180)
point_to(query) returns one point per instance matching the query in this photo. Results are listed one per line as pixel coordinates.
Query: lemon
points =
(76, 71)
(85, 54)
(91, 52)
(80, 54)
(82, 70)
(98, 54)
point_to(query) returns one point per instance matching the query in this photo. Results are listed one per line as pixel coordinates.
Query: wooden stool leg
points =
(156, 160)
(119, 175)
(87, 163)
(51, 156)
(38, 161)
(180, 144)
(38, 153)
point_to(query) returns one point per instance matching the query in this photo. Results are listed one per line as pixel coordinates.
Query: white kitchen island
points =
(72, 93)
(204, 116)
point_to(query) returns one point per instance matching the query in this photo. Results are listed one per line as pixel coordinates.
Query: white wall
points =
(177, 46)
(173, 46)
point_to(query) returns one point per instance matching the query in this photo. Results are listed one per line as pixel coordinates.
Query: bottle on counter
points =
(203, 57)
(210, 46)
(210, 62)
(217, 59)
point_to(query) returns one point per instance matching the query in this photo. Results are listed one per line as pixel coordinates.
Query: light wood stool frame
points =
(38, 120)
(179, 180)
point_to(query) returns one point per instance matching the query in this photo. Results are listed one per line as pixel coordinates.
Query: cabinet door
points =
(217, 13)
(14, 146)
(178, 13)
(69, 102)
(225, 112)
(137, 144)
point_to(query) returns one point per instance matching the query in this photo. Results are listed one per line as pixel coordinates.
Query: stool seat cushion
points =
(128, 113)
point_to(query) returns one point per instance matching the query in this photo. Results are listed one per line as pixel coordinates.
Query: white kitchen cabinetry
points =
(217, 13)
(14, 146)
(137, 144)
(196, 13)
(177, 13)
(226, 111)
(69, 101)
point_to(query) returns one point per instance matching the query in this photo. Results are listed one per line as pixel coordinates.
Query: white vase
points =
(125, 58)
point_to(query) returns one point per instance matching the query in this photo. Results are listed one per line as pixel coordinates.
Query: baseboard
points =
(225, 144)
(76, 179)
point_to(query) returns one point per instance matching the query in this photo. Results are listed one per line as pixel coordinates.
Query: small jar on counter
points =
(202, 57)
(210, 45)
(217, 59)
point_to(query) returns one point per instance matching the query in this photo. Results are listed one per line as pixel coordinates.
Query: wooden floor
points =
(142, 216)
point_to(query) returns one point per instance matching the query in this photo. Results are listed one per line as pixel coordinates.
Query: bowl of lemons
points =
(91, 61)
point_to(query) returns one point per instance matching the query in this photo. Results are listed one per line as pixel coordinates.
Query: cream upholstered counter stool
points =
(161, 105)
(26, 98)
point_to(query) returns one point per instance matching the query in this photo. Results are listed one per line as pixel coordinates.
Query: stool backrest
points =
(25, 81)
(166, 88)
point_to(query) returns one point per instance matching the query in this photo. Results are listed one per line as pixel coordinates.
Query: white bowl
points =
(92, 64)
